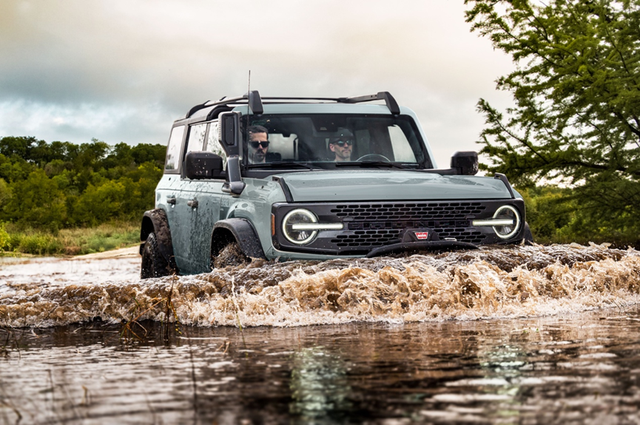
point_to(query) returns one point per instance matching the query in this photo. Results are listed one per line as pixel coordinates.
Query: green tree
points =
(149, 153)
(37, 201)
(17, 146)
(5, 194)
(576, 118)
(4, 237)
(100, 203)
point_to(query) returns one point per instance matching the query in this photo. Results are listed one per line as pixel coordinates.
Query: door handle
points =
(171, 200)
(193, 203)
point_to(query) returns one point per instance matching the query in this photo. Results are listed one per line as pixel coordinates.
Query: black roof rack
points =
(255, 101)
(382, 95)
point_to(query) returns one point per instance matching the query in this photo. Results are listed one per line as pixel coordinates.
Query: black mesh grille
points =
(460, 234)
(370, 226)
(409, 211)
(364, 239)
(368, 239)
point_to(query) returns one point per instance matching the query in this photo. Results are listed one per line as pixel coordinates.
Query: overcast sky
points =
(124, 70)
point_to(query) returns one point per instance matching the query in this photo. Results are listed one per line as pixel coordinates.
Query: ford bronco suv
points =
(315, 178)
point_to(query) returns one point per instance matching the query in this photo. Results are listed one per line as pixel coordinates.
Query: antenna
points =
(248, 91)
(246, 126)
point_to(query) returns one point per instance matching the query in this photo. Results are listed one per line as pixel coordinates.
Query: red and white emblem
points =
(422, 235)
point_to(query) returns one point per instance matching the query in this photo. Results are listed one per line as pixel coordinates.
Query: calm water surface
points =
(527, 335)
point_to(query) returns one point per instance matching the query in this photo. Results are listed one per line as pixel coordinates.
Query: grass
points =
(77, 241)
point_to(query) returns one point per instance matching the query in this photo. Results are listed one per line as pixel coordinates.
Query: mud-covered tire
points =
(528, 236)
(230, 255)
(153, 263)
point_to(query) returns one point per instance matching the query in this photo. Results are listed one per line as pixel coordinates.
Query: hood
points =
(373, 185)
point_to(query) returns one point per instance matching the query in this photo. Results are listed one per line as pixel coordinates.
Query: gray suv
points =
(315, 178)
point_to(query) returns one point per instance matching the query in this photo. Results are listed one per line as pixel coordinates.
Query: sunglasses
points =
(341, 143)
(255, 145)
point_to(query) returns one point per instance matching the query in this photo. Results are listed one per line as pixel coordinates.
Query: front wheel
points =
(153, 263)
(230, 255)
(528, 236)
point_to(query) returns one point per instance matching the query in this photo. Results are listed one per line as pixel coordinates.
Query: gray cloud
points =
(124, 70)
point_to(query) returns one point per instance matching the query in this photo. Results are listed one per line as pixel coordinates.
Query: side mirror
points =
(203, 165)
(465, 163)
(230, 137)
(230, 132)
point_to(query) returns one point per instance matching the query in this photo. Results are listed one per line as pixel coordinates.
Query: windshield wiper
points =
(372, 164)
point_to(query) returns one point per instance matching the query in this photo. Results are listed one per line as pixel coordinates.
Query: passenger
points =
(341, 145)
(258, 144)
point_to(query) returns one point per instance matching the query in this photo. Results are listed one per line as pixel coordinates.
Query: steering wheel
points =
(373, 157)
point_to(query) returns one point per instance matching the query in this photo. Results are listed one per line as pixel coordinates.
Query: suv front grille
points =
(409, 211)
(371, 225)
(369, 239)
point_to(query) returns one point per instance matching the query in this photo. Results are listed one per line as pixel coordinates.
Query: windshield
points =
(273, 140)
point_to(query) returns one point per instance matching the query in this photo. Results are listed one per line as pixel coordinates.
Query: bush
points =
(4, 237)
(39, 244)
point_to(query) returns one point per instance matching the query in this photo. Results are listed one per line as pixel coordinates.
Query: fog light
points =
(295, 233)
(511, 219)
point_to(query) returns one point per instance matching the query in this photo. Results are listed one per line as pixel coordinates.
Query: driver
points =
(341, 144)
(258, 144)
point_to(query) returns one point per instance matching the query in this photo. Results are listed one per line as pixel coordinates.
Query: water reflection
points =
(319, 385)
(519, 335)
(566, 369)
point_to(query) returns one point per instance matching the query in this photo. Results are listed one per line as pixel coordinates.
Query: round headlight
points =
(509, 213)
(297, 234)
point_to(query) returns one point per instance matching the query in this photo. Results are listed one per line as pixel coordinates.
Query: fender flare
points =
(156, 221)
(242, 231)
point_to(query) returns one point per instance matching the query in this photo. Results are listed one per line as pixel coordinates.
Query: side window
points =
(173, 149)
(197, 134)
(213, 142)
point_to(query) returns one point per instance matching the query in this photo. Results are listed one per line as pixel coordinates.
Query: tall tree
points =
(576, 118)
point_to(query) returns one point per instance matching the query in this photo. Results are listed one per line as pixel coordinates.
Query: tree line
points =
(576, 119)
(58, 185)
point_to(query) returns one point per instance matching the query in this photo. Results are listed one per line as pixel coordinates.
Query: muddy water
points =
(521, 335)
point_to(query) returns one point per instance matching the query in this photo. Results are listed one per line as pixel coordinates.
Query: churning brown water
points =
(501, 335)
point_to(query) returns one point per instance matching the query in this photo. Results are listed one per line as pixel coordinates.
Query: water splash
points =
(489, 283)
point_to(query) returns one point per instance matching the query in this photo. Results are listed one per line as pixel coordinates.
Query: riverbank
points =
(68, 242)
(128, 252)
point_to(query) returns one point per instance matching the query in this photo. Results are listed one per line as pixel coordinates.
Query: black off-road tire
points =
(528, 236)
(153, 264)
(230, 255)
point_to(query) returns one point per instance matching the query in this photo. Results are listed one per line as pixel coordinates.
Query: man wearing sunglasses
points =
(258, 144)
(341, 145)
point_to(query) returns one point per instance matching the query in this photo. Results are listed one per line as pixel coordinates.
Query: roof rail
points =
(206, 104)
(196, 108)
(382, 95)
(255, 101)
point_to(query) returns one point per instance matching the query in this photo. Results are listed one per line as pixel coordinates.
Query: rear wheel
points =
(153, 263)
(230, 255)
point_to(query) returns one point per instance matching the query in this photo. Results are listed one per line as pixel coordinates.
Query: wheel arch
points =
(240, 230)
(155, 221)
